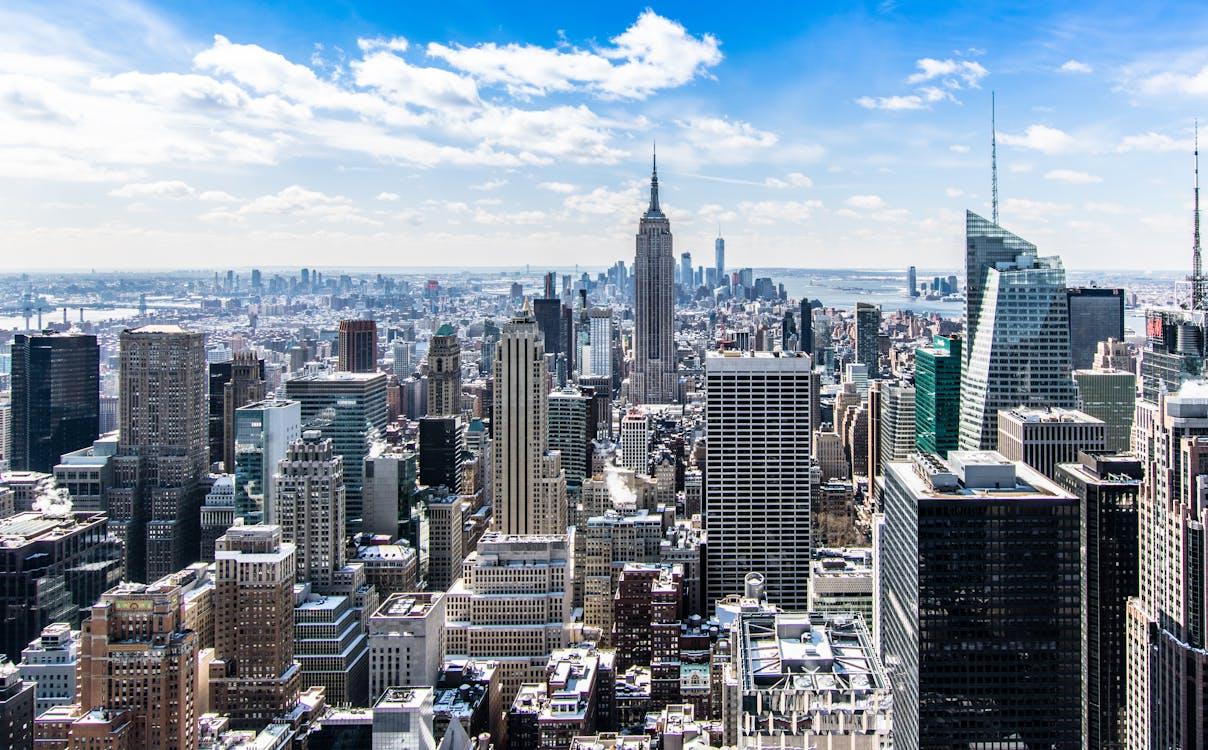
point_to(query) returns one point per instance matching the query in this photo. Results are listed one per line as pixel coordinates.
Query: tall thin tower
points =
(1197, 270)
(993, 162)
(653, 380)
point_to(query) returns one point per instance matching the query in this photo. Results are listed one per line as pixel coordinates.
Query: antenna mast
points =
(994, 161)
(1197, 271)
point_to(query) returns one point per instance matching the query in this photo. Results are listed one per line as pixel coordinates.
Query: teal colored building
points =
(937, 395)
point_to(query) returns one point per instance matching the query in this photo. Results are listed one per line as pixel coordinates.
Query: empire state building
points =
(653, 380)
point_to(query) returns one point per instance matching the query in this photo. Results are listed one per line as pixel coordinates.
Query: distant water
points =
(843, 289)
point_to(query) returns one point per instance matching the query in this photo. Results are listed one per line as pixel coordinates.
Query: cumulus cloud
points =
(297, 202)
(557, 187)
(953, 73)
(1153, 142)
(494, 184)
(654, 53)
(1041, 138)
(1075, 66)
(791, 180)
(389, 197)
(892, 103)
(944, 77)
(1071, 176)
(953, 192)
(865, 201)
(777, 212)
(161, 189)
(606, 201)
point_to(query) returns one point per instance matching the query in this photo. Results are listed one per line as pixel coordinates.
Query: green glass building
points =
(937, 395)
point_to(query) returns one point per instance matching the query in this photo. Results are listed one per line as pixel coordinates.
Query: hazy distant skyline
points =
(391, 135)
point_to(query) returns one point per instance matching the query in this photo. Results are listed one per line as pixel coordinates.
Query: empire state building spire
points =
(654, 183)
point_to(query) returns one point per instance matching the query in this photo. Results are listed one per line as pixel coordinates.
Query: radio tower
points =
(1197, 270)
(994, 163)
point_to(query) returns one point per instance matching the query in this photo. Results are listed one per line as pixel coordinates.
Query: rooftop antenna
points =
(1197, 271)
(993, 162)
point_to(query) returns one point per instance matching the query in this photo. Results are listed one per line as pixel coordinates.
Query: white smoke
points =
(618, 490)
(55, 502)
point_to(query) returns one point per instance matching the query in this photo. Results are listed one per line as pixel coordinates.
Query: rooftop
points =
(408, 605)
(807, 652)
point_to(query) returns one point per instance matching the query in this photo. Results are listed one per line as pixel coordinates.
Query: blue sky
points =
(363, 134)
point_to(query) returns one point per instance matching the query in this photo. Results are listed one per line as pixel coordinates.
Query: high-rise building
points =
(16, 709)
(253, 677)
(896, 424)
(636, 430)
(310, 507)
(986, 245)
(570, 432)
(520, 429)
(757, 482)
(937, 383)
(912, 282)
(50, 662)
(444, 373)
(52, 565)
(1043, 438)
(868, 337)
(1096, 314)
(357, 346)
(1108, 487)
(515, 620)
(599, 364)
(391, 502)
(233, 383)
(55, 398)
(980, 618)
(162, 451)
(1167, 647)
(805, 680)
(137, 655)
(805, 328)
(349, 408)
(1109, 395)
(263, 431)
(685, 270)
(841, 582)
(1020, 350)
(441, 445)
(653, 379)
(719, 257)
(406, 641)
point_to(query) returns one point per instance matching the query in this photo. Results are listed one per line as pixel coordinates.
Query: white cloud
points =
(1155, 142)
(1019, 167)
(958, 148)
(791, 180)
(953, 192)
(953, 73)
(1075, 66)
(296, 202)
(865, 201)
(892, 103)
(1071, 176)
(490, 184)
(389, 197)
(654, 53)
(161, 189)
(216, 196)
(1181, 82)
(557, 187)
(1032, 209)
(606, 202)
(775, 212)
(1041, 138)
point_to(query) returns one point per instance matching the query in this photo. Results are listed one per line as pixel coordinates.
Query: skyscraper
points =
(937, 383)
(310, 507)
(805, 329)
(1096, 314)
(358, 346)
(912, 282)
(55, 398)
(1107, 487)
(868, 333)
(520, 428)
(570, 432)
(654, 379)
(263, 433)
(757, 484)
(986, 244)
(979, 595)
(600, 322)
(137, 655)
(685, 270)
(1110, 395)
(444, 373)
(1166, 639)
(719, 257)
(1020, 348)
(254, 677)
(162, 451)
(233, 384)
(349, 408)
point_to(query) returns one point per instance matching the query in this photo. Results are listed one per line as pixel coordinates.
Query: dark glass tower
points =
(440, 452)
(357, 346)
(980, 593)
(1096, 314)
(55, 397)
(1107, 487)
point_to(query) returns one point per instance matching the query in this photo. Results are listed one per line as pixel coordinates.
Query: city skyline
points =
(138, 136)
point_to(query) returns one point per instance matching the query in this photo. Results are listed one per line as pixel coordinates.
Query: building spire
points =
(993, 162)
(654, 179)
(1197, 270)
